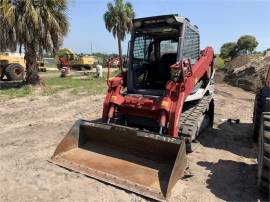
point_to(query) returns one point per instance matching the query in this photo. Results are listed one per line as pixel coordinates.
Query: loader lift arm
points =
(175, 95)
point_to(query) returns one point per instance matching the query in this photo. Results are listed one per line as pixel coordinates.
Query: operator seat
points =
(159, 71)
(157, 77)
(166, 61)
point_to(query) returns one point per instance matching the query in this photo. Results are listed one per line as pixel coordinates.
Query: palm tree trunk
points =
(30, 57)
(120, 53)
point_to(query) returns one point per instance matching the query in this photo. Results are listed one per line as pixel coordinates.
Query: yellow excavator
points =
(66, 57)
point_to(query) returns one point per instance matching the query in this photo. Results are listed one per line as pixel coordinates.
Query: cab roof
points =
(164, 18)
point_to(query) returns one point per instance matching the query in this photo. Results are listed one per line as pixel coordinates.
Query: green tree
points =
(34, 25)
(228, 50)
(118, 20)
(247, 43)
(264, 52)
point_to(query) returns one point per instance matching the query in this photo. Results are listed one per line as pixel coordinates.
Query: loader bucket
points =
(144, 163)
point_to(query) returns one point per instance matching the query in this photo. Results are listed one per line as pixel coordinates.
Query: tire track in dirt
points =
(223, 168)
(48, 111)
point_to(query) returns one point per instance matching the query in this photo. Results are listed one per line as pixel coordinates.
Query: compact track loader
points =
(152, 113)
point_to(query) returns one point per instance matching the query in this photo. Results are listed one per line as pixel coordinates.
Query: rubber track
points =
(264, 185)
(257, 113)
(189, 118)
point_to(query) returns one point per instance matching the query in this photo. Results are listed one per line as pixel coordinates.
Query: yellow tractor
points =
(12, 66)
(67, 57)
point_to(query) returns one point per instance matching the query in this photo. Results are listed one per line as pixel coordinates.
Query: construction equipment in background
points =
(152, 113)
(74, 61)
(110, 64)
(261, 134)
(13, 66)
(114, 62)
(41, 65)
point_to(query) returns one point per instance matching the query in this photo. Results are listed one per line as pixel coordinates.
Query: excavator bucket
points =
(141, 162)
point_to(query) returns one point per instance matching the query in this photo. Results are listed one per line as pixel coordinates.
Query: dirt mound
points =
(238, 62)
(247, 72)
(266, 59)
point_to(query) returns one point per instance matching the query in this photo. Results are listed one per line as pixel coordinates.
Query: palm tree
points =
(35, 26)
(118, 20)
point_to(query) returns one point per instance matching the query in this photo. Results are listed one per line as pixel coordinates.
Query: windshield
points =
(145, 47)
(152, 56)
(142, 48)
(153, 49)
(168, 46)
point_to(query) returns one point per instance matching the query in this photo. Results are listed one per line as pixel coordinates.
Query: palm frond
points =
(118, 18)
(42, 23)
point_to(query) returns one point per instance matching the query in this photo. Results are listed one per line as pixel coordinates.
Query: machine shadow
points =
(6, 85)
(235, 138)
(233, 181)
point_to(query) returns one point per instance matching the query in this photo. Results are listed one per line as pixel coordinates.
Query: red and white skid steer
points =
(152, 113)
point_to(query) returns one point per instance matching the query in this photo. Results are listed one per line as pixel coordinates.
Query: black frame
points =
(184, 25)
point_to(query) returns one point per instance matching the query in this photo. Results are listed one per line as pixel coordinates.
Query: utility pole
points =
(91, 48)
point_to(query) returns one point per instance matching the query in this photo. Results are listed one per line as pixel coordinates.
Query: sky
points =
(219, 21)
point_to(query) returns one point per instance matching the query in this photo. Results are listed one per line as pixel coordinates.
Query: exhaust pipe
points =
(145, 163)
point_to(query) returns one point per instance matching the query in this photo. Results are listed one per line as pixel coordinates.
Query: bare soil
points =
(223, 168)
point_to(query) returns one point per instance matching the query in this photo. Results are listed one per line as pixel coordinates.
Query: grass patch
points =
(89, 86)
(76, 85)
(47, 91)
(16, 92)
(219, 63)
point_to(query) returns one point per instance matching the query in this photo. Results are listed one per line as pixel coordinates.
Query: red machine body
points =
(166, 110)
(152, 113)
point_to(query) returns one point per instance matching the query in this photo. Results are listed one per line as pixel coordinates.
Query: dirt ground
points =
(223, 168)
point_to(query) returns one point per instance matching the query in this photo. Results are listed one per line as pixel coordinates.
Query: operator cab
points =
(156, 44)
